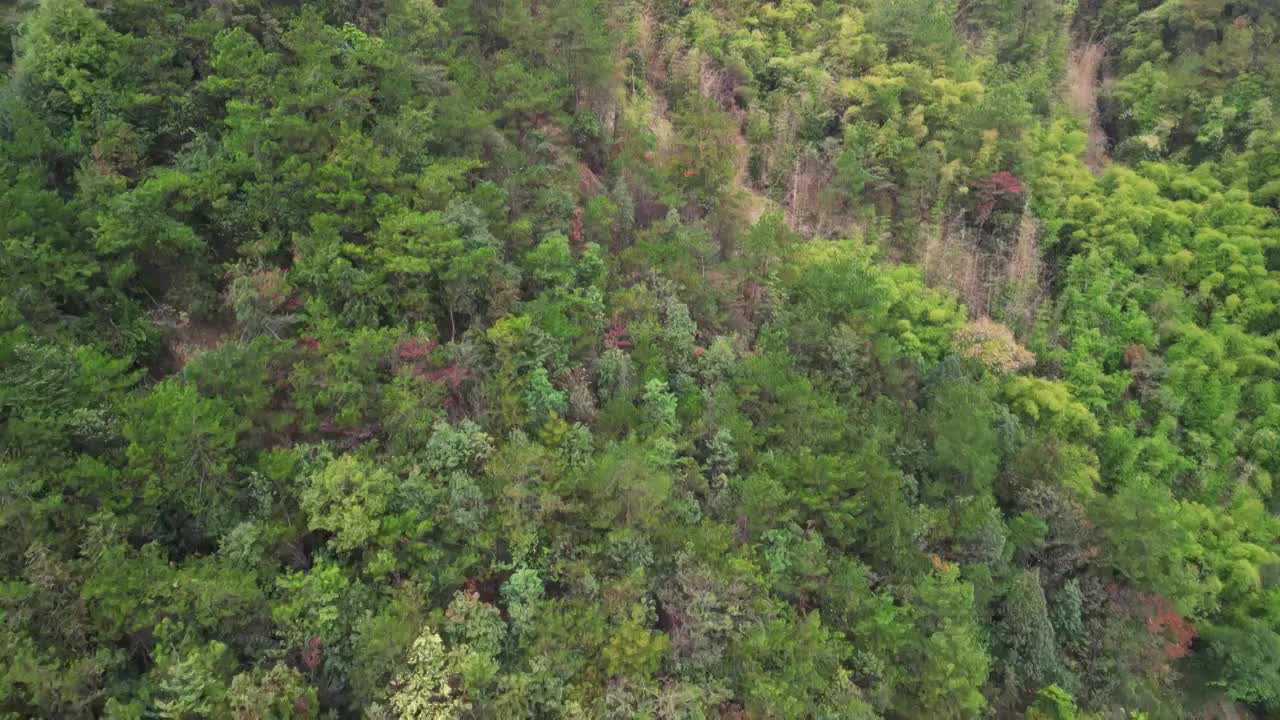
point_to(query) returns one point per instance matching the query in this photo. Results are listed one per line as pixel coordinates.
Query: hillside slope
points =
(640, 359)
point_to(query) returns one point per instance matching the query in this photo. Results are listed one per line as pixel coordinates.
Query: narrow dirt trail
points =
(1083, 64)
(756, 202)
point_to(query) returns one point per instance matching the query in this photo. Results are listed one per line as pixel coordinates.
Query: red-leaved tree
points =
(1000, 187)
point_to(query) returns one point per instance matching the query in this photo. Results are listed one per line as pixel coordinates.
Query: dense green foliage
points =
(592, 358)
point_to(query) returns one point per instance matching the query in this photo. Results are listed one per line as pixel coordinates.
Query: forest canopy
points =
(671, 359)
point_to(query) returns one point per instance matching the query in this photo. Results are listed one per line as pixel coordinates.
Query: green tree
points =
(347, 497)
(181, 455)
(423, 690)
(1030, 652)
